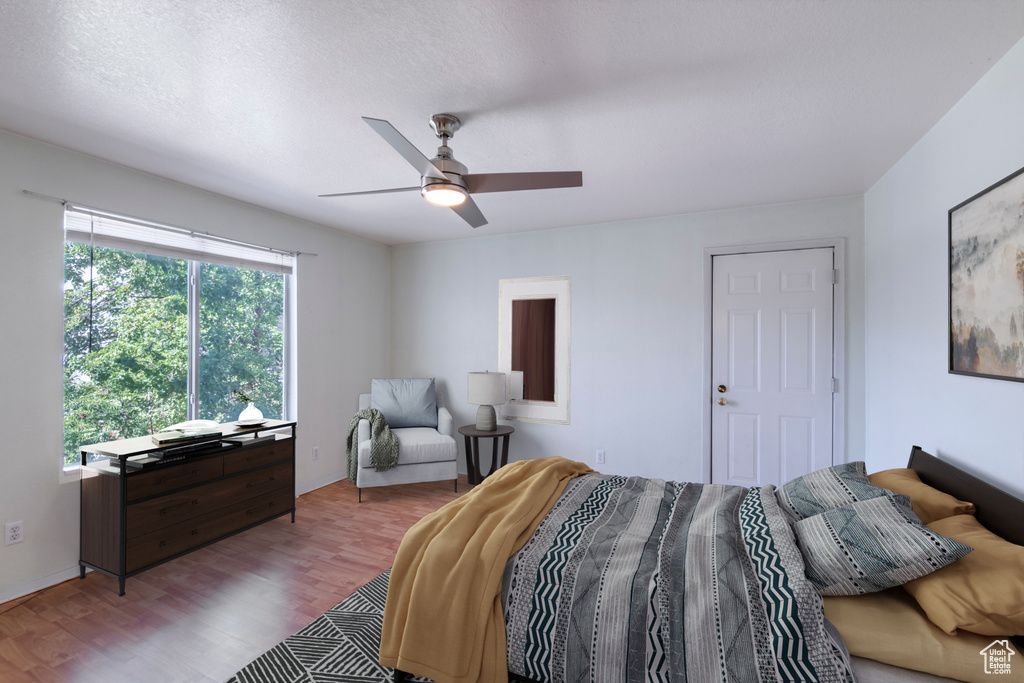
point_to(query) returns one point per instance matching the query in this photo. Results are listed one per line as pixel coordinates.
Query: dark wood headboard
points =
(998, 511)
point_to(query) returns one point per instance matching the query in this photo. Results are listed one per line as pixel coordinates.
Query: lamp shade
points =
(486, 388)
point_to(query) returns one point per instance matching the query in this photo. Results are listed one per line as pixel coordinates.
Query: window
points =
(162, 325)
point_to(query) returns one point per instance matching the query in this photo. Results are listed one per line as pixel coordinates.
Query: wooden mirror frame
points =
(557, 288)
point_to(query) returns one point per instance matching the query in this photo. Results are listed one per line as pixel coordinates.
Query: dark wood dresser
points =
(134, 519)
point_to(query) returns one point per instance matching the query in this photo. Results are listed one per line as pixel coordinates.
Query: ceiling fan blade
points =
(508, 182)
(349, 194)
(421, 163)
(470, 212)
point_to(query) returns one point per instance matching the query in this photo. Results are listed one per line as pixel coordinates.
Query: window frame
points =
(277, 261)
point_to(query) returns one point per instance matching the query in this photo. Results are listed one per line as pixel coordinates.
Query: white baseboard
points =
(321, 485)
(22, 589)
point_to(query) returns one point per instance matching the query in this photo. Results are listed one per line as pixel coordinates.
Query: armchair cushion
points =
(405, 402)
(416, 445)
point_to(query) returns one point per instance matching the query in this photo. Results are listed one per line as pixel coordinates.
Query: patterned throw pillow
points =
(826, 489)
(871, 545)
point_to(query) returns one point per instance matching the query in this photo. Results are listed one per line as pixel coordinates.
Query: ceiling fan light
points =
(444, 194)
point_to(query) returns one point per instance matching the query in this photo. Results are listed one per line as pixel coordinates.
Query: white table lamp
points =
(486, 389)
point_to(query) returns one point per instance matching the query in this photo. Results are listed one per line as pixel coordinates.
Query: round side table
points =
(473, 435)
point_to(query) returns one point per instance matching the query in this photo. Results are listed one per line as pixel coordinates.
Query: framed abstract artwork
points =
(986, 282)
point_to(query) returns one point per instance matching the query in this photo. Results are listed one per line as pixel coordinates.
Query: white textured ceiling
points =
(667, 107)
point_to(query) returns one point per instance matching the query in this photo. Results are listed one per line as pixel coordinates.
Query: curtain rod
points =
(161, 226)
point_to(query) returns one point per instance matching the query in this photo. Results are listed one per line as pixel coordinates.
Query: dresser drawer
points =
(158, 545)
(176, 508)
(254, 456)
(164, 479)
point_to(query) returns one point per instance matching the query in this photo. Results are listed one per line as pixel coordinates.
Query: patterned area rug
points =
(338, 647)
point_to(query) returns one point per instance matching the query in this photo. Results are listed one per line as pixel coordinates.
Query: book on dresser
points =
(170, 436)
(192, 430)
(143, 505)
(249, 439)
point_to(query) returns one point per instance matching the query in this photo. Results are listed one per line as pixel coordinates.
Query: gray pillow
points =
(405, 402)
(826, 489)
(871, 545)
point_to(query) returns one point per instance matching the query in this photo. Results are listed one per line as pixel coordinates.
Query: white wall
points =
(342, 323)
(910, 397)
(637, 325)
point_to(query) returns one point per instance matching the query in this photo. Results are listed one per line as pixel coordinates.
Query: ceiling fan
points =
(445, 182)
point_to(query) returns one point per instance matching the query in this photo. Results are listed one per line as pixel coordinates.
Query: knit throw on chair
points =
(383, 443)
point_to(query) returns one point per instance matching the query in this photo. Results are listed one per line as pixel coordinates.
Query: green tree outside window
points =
(126, 343)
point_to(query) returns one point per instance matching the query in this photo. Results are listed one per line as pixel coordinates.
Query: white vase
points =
(251, 412)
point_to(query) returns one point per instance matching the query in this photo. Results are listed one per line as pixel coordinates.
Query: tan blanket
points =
(443, 616)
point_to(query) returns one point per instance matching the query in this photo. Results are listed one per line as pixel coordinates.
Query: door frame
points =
(838, 244)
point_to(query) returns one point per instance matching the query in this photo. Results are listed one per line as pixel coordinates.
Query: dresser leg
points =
(81, 571)
(120, 586)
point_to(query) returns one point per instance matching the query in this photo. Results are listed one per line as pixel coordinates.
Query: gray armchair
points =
(424, 453)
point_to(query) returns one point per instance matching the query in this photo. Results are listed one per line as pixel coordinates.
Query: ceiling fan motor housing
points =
(450, 167)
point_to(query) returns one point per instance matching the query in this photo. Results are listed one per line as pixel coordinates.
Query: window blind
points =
(102, 229)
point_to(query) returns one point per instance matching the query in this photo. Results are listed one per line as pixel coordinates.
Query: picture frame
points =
(986, 282)
(557, 288)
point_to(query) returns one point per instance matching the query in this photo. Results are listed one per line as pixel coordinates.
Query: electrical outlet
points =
(599, 458)
(14, 532)
(316, 452)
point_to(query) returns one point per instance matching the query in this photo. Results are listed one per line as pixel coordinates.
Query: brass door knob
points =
(721, 388)
(722, 401)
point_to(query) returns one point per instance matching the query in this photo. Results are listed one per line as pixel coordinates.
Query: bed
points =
(572, 575)
(997, 511)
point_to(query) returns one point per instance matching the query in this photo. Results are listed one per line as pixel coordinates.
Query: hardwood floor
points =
(204, 616)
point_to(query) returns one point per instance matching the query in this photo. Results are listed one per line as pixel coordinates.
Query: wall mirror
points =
(533, 339)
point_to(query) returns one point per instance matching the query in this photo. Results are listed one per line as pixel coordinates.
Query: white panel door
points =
(771, 365)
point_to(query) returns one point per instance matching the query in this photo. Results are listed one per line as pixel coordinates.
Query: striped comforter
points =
(632, 579)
